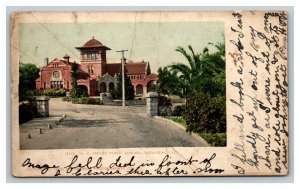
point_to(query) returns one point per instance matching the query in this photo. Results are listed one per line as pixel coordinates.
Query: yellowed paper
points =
(256, 97)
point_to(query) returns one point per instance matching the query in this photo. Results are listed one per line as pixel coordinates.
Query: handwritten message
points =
(126, 166)
(259, 92)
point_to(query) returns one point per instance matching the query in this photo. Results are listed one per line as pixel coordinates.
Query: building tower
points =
(93, 52)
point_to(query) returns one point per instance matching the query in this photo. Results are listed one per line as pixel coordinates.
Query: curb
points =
(182, 127)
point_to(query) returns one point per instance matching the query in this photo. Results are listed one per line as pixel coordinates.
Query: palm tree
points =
(189, 73)
(203, 69)
(168, 82)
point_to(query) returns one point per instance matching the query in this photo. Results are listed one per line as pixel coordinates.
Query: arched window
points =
(139, 89)
(111, 86)
(102, 87)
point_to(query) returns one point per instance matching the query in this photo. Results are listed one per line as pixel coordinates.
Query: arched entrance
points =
(151, 87)
(102, 87)
(139, 89)
(111, 86)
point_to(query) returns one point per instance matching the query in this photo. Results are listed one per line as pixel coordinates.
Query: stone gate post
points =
(152, 104)
(42, 103)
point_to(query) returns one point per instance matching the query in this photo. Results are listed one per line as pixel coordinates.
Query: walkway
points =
(94, 126)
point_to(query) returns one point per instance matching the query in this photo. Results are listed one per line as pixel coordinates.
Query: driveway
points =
(94, 126)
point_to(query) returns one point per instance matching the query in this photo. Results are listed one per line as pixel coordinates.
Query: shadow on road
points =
(90, 123)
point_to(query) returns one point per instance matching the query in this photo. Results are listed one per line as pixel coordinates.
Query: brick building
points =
(96, 75)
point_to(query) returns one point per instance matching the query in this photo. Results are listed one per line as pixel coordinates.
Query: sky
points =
(153, 42)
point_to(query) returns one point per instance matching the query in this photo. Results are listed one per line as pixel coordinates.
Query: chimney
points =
(46, 61)
(66, 58)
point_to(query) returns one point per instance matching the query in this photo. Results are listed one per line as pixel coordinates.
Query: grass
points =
(177, 119)
(214, 139)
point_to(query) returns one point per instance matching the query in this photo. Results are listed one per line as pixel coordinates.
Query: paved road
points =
(92, 126)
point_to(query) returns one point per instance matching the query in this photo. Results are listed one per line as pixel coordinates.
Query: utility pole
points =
(123, 77)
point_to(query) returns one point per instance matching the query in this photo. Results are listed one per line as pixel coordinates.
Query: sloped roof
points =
(93, 44)
(130, 68)
(135, 68)
(56, 60)
(113, 69)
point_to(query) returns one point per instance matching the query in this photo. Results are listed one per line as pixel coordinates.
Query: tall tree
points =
(168, 83)
(204, 71)
(27, 76)
(75, 91)
(129, 89)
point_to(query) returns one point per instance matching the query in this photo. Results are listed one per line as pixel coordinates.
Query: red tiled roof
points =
(92, 43)
(113, 69)
(130, 68)
(56, 60)
(135, 68)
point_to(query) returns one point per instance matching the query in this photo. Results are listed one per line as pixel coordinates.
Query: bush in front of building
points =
(164, 106)
(178, 111)
(86, 100)
(67, 98)
(78, 92)
(52, 92)
(164, 101)
(27, 111)
(205, 114)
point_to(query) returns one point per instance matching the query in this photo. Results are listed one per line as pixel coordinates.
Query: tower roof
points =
(93, 44)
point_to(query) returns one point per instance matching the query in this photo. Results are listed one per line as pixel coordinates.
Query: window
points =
(56, 84)
(90, 69)
(88, 56)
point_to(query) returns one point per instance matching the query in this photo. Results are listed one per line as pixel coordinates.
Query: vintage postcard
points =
(149, 93)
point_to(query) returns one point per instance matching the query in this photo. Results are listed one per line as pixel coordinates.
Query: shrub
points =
(68, 99)
(52, 92)
(164, 111)
(27, 111)
(98, 102)
(84, 100)
(87, 100)
(75, 100)
(216, 139)
(79, 91)
(178, 111)
(164, 101)
(205, 114)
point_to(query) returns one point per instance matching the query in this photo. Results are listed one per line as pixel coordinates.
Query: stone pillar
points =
(145, 89)
(42, 103)
(152, 104)
(107, 87)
